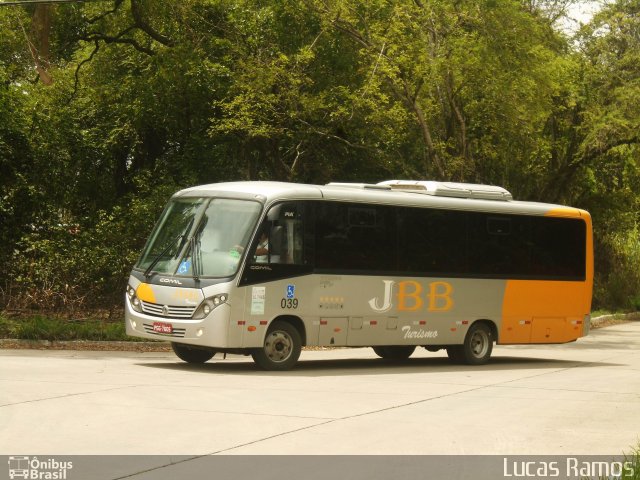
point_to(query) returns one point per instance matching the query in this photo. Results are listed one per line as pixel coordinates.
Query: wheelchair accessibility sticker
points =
(291, 291)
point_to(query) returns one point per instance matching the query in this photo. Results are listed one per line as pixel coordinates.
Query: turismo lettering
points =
(409, 333)
(411, 297)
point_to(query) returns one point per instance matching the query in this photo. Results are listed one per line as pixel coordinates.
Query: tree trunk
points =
(39, 42)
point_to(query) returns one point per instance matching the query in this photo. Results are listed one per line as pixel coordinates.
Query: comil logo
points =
(38, 469)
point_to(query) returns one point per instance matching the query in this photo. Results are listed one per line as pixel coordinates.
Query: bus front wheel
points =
(191, 354)
(281, 349)
(477, 346)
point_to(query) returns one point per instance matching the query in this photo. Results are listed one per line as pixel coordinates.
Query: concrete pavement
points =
(580, 398)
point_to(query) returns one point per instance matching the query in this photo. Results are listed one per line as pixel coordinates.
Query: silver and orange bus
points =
(265, 268)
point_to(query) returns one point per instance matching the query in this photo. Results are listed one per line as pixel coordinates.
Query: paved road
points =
(581, 398)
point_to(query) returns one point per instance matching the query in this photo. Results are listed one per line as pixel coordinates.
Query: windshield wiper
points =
(182, 237)
(196, 267)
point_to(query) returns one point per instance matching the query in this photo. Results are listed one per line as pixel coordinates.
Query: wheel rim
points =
(479, 344)
(278, 346)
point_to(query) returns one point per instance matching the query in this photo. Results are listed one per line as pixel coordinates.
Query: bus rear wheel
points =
(396, 352)
(191, 354)
(477, 346)
(281, 349)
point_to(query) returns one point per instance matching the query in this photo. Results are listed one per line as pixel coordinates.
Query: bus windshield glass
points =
(217, 231)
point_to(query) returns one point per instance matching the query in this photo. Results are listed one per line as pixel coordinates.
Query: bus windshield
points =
(217, 231)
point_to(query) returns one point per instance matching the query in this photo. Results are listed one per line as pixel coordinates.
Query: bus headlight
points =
(209, 304)
(134, 301)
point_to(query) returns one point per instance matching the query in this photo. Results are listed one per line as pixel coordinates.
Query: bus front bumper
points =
(211, 331)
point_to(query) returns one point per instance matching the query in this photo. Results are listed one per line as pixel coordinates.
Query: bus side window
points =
(353, 237)
(281, 237)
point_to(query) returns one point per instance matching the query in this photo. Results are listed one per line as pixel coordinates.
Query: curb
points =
(617, 316)
(121, 346)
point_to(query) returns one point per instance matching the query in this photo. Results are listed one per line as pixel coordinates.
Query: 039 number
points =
(289, 303)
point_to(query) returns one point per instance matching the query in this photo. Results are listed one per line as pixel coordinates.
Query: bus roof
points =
(444, 195)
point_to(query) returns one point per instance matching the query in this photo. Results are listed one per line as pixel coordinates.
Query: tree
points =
(148, 97)
(609, 152)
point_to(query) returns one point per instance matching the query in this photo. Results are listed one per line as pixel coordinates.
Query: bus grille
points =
(167, 311)
(177, 332)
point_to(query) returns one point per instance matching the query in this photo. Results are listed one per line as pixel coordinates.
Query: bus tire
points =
(397, 352)
(477, 346)
(281, 349)
(191, 354)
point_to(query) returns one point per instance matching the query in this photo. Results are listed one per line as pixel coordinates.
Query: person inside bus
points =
(261, 254)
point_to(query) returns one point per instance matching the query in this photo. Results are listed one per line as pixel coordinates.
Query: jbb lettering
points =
(412, 297)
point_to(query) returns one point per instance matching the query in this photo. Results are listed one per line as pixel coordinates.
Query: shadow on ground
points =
(371, 366)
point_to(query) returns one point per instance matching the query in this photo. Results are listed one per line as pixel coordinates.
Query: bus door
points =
(277, 257)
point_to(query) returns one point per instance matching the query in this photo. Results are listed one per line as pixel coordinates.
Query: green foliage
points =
(56, 329)
(634, 460)
(630, 464)
(150, 97)
(621, 287)
(72, 266)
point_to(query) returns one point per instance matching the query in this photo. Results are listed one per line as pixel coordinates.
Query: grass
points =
(630, 466)
(634, 461)
(47, 328)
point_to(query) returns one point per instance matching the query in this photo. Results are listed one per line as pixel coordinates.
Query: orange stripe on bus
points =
(145, 293)
(544, 309)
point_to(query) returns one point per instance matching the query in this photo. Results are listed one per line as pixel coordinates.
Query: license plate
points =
(161, 327)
